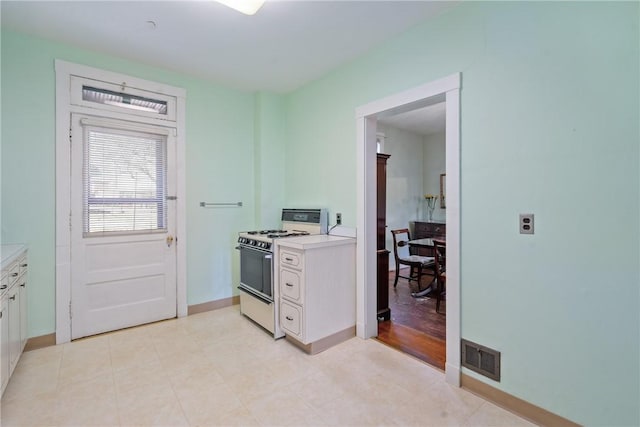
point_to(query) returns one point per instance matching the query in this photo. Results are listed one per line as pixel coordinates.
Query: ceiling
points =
(423, 121)
(282, 47)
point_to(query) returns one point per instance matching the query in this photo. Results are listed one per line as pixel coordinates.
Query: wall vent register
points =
(481, 359)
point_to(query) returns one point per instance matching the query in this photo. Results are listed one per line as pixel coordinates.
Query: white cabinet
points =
(22, 295)
(4, 344)
(316, 280)
(13, 312)
(14, 326)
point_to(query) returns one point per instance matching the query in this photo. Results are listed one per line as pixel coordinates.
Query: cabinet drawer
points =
(429, 229)
(4, 283)
(13, 272)
(290, 285)
(420, 228)
(289, 258)
(436, 229)
(291, 319)
(22, 265)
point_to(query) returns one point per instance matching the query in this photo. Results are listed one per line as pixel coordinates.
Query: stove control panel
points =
(257, 243)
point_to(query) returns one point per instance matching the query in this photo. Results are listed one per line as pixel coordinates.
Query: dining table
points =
(425, 242)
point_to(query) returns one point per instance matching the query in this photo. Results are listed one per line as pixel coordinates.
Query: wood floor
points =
(415, 328)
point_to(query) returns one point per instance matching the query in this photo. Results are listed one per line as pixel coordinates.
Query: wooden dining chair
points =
(440, 252)
(402, 256)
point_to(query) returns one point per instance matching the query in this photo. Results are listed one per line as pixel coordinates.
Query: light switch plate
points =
(526, 223)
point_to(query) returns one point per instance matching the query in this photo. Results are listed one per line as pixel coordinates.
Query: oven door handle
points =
(255, 249)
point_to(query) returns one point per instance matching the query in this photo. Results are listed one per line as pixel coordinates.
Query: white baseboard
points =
(452, 374)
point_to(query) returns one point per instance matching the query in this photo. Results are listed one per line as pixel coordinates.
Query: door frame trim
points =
(446, 89)
(63, 72)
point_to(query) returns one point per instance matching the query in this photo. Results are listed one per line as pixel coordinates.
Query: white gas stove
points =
(258, 294)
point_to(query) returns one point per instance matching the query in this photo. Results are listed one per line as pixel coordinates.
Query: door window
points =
(124, 181)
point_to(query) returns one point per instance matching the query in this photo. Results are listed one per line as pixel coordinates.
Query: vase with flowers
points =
(430, 199)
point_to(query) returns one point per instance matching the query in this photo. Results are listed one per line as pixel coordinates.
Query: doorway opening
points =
(445, 90)
(411, 317)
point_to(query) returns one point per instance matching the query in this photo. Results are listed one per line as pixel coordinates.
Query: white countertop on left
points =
(9, 252)
(314, 241)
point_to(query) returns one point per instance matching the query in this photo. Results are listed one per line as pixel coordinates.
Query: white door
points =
(123, 256)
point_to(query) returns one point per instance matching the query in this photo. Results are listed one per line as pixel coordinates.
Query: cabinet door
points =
(290, 285)
(291, 319)
(381, 200)
(22, 294)
(4, 344)
(14, 327)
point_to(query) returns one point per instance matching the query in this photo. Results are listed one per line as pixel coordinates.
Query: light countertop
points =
(8, 253)
(315, 241)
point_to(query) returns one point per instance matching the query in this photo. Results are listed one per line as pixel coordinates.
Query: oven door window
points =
(255, 270)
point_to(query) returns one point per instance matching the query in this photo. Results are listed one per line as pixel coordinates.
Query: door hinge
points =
(172, 197)
(69, 220)
(70, 312)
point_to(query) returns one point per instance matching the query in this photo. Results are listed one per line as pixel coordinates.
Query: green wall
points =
(270, 158)
(219, 135)
(549, 125)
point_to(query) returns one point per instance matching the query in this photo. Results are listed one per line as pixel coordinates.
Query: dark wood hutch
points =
(382, 253)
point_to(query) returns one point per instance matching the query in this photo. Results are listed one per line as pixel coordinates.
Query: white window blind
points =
(124, 181)
(117, 99)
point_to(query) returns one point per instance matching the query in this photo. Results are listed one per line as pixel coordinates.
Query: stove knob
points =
(267, 245)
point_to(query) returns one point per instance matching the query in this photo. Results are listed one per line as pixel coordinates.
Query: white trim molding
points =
(446, 90)
(64, 108)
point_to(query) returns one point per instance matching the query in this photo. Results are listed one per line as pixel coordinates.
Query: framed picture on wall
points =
(443, 190)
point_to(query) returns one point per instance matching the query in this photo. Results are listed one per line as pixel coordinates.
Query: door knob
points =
(169, 241)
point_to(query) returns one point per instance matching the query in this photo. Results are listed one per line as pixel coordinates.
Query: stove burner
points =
(266, 232)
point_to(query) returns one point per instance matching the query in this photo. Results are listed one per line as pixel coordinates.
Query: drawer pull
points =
(289, 259)
(13, 298)
(290, 319)
(23, 285)
(289, 285)
(23, 265)
(14, 274)
(3, 287)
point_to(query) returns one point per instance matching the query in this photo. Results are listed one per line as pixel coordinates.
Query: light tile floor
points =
(218, 368)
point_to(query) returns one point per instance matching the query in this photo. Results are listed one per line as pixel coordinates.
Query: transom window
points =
(108, 97)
